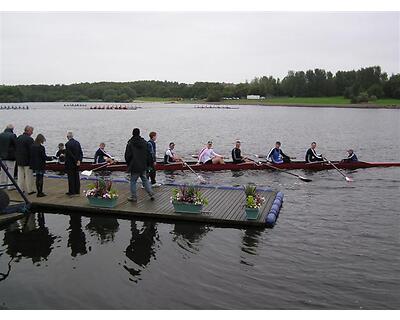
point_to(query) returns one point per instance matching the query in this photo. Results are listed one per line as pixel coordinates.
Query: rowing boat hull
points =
(297, 165)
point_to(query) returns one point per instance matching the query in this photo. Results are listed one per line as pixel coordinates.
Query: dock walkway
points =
(226, 205)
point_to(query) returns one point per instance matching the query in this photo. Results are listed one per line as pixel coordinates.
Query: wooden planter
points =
(252, 213)
(101, 202)
(184, 207)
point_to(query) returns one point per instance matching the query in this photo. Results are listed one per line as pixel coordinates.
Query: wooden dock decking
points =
(226, 207)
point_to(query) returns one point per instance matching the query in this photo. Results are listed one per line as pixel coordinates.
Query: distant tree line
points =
(358, 85)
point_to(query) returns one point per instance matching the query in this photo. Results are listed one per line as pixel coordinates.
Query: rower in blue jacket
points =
(276, 155)
(351, 156)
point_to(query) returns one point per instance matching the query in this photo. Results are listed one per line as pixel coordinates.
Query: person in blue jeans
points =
(138, 159)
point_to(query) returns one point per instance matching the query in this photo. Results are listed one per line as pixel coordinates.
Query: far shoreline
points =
(299, 105)
(334, 102)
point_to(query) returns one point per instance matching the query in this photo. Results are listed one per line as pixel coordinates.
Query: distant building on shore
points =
(253, 97)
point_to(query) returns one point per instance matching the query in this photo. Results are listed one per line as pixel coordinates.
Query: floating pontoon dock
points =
(226, 204)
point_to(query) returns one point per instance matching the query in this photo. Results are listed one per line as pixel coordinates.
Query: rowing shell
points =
(295, 165)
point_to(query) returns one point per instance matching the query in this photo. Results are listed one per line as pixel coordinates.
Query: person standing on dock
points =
(8, 141)
(73, 159)
(151, 144)
(22, 156)
(312, 155)
(38, 160)
(138, 158)
(276, 155)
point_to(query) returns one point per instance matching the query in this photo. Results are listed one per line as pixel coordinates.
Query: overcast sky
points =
(194, 46)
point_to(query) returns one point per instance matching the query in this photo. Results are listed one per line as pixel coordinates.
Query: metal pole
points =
(14, 182)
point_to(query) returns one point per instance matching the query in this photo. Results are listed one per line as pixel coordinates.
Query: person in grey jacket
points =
(8, 141)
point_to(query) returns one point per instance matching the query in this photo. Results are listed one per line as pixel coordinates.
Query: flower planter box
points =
(252, 213)
(101, 202)
(184, 207)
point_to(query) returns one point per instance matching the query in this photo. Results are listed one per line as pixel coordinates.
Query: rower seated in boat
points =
(237, 154)
(170, 156)
(312, 155)
(276, 155)
(60, 154)
(351, 156)
(101, 156)
(208, 156)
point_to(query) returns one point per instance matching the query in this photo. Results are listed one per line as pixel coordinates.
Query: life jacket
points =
(275, 156)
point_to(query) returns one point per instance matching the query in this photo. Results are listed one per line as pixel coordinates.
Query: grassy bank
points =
(285, 101)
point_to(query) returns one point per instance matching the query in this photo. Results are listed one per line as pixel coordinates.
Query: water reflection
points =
(188, 235)
(4, 275)
(192, 232)
(29, 238)
(250, 240)
(104, 227)
(76, 236)
(142, 246)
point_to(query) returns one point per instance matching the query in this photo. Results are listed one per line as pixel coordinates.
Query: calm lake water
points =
(336, 245)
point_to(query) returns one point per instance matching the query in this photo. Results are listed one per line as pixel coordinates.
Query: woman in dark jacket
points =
(38, 160)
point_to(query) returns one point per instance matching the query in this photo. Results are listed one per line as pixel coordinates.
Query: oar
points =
(88, 173)
(284, 171)
(201, 179)
(338, 170)
(262, 156)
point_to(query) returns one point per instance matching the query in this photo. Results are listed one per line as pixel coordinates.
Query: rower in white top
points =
(208, 156)
(170, 156)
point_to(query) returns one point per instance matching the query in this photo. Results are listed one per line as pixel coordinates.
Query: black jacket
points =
(237, 155)
(38, 157)
(73, 154)
(312, 156)
(8, 141)
(137, 155)
(23, 150)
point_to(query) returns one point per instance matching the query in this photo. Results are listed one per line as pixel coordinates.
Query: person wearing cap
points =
(237, 154)
(208, 156)
(276, 155)
(170, 156)
(351, 156)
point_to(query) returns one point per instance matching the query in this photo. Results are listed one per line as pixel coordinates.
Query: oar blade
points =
(87, 173)
(201, 179)
(349, 179)
(304, 179)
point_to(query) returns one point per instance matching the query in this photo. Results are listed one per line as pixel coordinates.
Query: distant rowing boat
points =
(215, 107)
(295, 165)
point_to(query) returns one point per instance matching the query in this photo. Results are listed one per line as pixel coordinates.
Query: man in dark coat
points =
(138, 160)
(22, 156)
(8, 141)
(73, 159)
